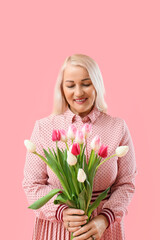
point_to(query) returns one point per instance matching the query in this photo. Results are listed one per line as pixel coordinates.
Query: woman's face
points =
(77, 85)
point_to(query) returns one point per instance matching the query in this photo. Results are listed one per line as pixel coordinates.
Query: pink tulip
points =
(56, 135)
(63, 135)
(86, 129)
(96, 142)
(79, 137)
(103, 151)
(71, 132)
(75, 149)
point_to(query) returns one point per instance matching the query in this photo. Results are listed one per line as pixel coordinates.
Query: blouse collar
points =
(90, 117)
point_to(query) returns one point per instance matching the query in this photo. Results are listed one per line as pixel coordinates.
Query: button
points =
(74, 118)
(85, 119)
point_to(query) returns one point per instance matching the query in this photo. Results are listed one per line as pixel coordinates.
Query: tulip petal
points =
(31, 147)
(122, 151)
(81, 176)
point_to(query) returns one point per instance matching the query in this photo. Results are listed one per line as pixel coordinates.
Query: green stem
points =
(75, 169)
(67, 146)
(74, 181)
(90, 161)
(81, 147)
(57, 151)
(41, 158)
(83, 185)
(71, 236)
(105, 160)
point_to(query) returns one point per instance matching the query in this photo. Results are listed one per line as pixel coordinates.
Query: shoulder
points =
(50, 120)
(112, 120)
(112, 124)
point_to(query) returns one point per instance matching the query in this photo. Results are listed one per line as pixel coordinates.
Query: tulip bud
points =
(86, 129)
(103, 151)
(96, 142)
(63, 135)
(79, 137)
(71, 132)
(71, 159)
(31, 147)
(56, 135)
(81, 176)
(122, 151)
(75, 149)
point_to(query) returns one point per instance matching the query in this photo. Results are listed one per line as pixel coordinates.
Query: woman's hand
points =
(73, 219)
(95, 228)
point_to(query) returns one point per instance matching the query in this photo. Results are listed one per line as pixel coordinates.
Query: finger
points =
(77, 224)
(96, 237)
(82, 231)
(85, 235)
(73, 229)
(71, 211)
(75, 218)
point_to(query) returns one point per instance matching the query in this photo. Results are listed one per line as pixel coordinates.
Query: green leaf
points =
(71, 204)
(92, 170)
(49, 157)
(53, 157)
(69, 177)
(62, 199)
(96, 203)
(91, 159)
(82, 199)
(40, 202)
(88, 193)
(63, 168)
(83, 150)
(86, 168)
(74, 179)
(61, 156)
(57, 169)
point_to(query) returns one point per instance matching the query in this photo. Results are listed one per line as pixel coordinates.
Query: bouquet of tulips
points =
(74, 172)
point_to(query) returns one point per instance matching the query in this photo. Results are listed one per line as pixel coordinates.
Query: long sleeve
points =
(35, 183)
(123, 188)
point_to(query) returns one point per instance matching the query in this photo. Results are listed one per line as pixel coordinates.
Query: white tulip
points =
(71, 132)
(71, 159)
(122, 151)
(31, 147)
(95, 143)
(81, 176)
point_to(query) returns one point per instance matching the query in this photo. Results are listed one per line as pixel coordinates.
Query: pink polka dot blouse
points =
(118, 173)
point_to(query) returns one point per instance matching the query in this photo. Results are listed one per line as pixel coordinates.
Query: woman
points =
(79, 99)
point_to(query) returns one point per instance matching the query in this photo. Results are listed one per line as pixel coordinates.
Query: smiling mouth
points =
(81, 100)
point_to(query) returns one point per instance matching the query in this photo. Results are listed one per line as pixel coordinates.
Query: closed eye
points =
(85, 85)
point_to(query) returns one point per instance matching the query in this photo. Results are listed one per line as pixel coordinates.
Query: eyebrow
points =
(81, 80)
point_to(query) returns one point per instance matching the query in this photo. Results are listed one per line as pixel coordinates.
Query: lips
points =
(80, 100)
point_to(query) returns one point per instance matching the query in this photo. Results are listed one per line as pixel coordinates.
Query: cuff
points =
(109, 215)
(59, 212)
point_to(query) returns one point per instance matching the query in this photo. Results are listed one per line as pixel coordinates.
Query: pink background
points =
(124, 39)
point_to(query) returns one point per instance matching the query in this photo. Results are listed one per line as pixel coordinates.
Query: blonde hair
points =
(60, 104)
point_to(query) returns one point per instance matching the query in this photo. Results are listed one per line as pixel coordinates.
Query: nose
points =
(79, 91)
